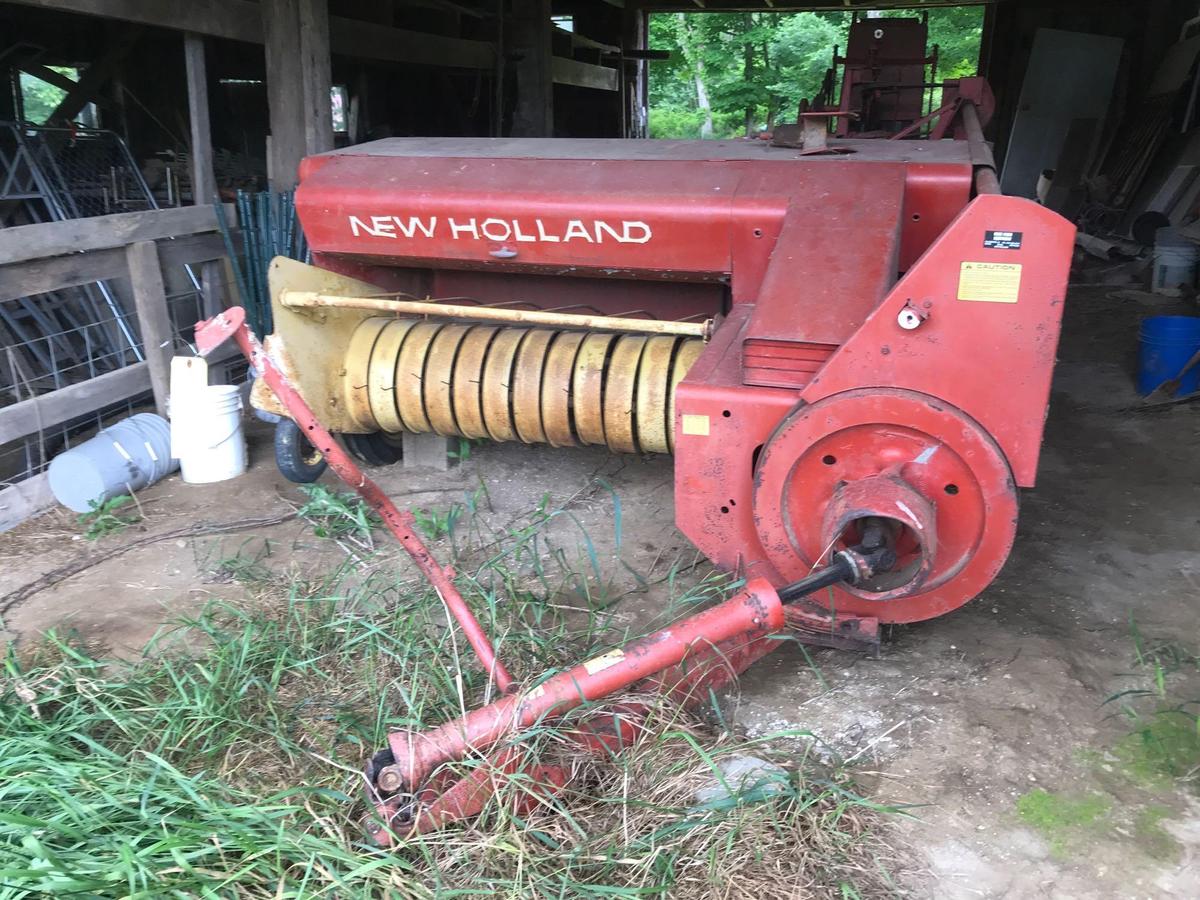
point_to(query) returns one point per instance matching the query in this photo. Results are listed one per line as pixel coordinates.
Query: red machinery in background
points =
(889, 83)
(849, 354)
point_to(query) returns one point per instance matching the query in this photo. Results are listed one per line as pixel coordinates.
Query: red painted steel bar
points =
(232, 323)
(752, 614)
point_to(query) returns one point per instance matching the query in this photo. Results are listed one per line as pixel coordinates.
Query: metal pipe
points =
(752, 614)
(211, 334)
(986, 181)
(313, 300)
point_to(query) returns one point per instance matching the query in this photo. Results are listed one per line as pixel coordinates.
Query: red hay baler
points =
(848, 348)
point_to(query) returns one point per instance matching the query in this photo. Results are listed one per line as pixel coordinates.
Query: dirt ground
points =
(989, 724)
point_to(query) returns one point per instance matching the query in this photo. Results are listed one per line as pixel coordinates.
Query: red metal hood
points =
(693, 210)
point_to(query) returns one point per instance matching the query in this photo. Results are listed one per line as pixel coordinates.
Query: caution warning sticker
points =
(604, 661)
(989, 282)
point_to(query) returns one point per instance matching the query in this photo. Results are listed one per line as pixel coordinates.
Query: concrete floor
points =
(960, 718)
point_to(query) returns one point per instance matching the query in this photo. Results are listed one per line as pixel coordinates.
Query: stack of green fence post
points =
(268, 226)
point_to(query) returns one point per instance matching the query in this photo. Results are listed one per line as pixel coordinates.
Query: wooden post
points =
(636, 37)
(204, 181)
(154, 321)
(296, 36)
(531, 41)
(316, 70)
(204, 184)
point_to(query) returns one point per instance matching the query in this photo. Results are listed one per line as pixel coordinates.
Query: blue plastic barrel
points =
(123, 458)
(1167, 343)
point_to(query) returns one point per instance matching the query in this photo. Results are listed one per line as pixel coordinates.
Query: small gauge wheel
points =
(375, 449)
(298, 460)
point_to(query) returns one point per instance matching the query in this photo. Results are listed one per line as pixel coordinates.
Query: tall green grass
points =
(225, 762)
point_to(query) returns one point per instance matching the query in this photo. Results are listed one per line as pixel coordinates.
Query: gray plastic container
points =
(126, 457)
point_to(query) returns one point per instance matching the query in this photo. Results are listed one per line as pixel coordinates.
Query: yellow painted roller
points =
(587, 388)
(381, 379)
(536, 385)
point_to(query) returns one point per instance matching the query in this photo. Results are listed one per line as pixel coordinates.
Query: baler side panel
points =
(934, 195)
(835, 259)
(994, 313)
(720, 423)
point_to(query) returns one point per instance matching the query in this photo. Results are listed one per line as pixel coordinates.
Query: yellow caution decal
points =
(694, 425)
(989, 282)
(606, 661)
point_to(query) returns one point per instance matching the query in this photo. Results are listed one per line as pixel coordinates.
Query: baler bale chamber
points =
(822, 340)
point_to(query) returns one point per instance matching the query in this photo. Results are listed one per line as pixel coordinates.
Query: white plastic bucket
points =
(208, 435)
(121, 459)
(1174, 262)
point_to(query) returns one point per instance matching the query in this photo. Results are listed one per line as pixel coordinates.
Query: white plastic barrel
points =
(209, 440)
(120, 459)
(1174, 262)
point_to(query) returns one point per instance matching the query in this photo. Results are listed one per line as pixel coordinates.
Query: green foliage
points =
(103, 519)
(41, 98)
(437, 523)
(1061, 818)
(734, 73)
(338, 515)
(1164, 743)
(225, 762)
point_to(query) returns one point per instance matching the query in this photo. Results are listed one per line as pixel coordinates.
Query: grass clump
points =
(1059, 817)
(104, 518)
(338, 515)
(225, 763)
(1165, 745)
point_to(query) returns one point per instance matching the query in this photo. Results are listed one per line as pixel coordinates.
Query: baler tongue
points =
(407, 781)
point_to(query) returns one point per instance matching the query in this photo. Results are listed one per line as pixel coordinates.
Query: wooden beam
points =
(579, 40)
(48, 75)
(298, 82)
(241, 20)
(28, 242)
(24, 500)
(189, 250)
(95, 77)
(233, 19)
(317, 73)
(150, 301)
(204, 182)
(366, 40)
(285, 93)
(532, 44)
(41, 275)
(41, 413)
(584, 75)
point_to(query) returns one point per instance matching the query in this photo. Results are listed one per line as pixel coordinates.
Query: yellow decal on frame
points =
(989, 282)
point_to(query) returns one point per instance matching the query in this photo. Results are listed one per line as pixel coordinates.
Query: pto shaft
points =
(753, 614)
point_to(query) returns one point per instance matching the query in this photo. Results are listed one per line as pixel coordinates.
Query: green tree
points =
(41, 98)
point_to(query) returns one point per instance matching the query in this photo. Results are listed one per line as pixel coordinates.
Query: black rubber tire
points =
(373, 449)
(298, 460)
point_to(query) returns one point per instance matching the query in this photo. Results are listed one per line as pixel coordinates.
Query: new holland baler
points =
(848, 348)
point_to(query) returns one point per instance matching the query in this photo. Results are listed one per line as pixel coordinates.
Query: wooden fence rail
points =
(35, 259)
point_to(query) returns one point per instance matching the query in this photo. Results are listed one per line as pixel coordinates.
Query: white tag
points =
(122, 451)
